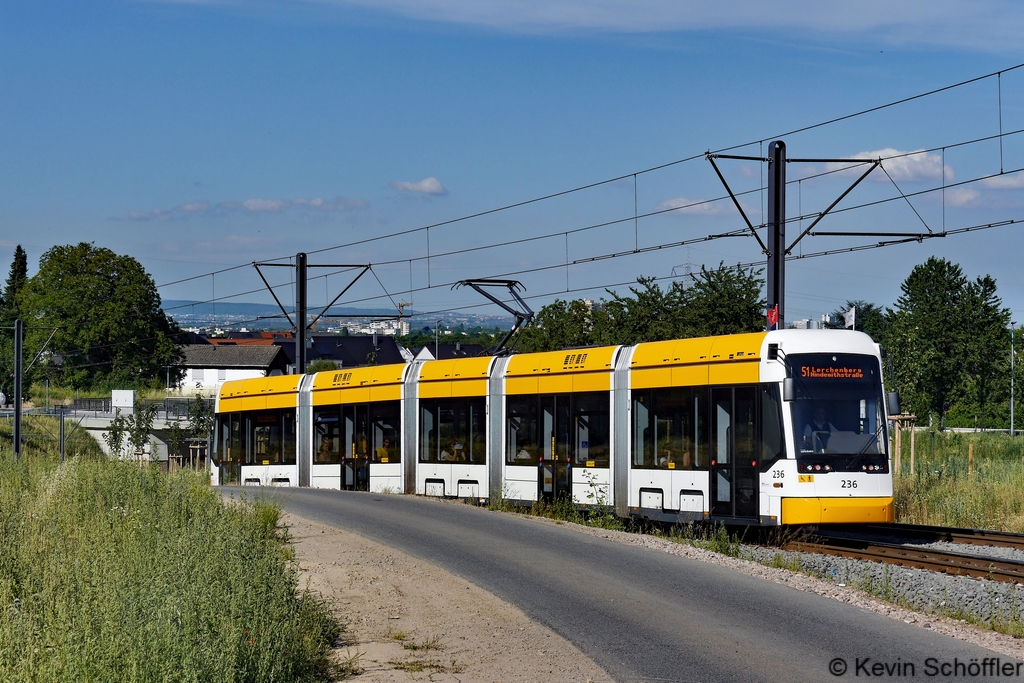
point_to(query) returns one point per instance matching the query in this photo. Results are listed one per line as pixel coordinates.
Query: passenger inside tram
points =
(324, 454)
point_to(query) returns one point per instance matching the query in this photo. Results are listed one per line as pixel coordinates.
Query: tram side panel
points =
(452, 428)
(687, 458)
(256, 432)
(558, 430)
(357, 429)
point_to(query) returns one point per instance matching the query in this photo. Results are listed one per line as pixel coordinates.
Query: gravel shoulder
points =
(409, 620)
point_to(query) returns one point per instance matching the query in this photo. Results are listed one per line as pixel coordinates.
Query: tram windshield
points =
(837, 408)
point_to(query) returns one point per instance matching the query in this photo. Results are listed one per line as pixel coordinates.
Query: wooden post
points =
(912, 433)
(970, 460)
(899, 445)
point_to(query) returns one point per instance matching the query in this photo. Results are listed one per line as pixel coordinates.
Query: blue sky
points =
(196, 136)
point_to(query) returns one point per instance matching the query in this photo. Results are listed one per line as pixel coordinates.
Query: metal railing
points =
(167, 409)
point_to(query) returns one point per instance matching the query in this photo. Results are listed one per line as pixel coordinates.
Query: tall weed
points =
(112, 571)
(946, 490)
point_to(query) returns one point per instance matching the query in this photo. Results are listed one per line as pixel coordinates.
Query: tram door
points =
(555, 467)
(734, 472)
(355, 458)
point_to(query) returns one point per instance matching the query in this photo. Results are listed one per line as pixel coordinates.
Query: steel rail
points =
(923, 532)
(997, 569)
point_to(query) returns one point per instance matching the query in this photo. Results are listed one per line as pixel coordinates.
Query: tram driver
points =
(817, 430)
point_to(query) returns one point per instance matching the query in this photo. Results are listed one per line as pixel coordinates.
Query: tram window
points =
(273, 437)
(288, 437)
(477, 434)
(592, 416)
(643, 449)
(743, 422)
(267, 438)
(771, 426)
(448, 423)
(327, 435)
(356, 428)
(428, 432)
(222, 436)
(721, 435)
(452, 430)
(522, 430)
(237, 450)
(669, 429)
(385, 419)
(701, 440)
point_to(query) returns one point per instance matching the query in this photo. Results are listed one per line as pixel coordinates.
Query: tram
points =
(769, 428)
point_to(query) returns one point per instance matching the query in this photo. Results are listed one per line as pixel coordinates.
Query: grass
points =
(429, 643)
(946, 491)
(111, 571)
(596, 513)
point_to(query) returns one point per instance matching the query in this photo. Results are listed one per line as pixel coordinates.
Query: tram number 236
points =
(778, 474)
(849, 484)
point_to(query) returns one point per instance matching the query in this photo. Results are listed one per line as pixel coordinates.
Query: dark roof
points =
(224, 356)
(350, 352)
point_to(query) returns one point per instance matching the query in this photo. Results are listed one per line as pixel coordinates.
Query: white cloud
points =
(985, 24)
(703, 207)
(961, 196)
(1005, 182)
(901, 166)
(431, 186)
(249, 206)
(749, 171)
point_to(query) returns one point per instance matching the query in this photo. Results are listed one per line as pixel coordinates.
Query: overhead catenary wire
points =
(694, 204)
(626, 253)
(591, 185)
(636, 216)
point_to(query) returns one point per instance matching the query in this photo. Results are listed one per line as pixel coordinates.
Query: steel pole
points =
(1011, 378)
(19, 333)
(300, 313)
(776, 285)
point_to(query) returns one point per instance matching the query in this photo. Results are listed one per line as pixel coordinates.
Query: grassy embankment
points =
(111, 571)
(943, 492)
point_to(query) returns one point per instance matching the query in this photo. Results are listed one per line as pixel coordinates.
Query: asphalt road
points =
(641, 614)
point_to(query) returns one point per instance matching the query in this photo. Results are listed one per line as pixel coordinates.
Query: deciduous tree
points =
(110, 328)
(947, 339)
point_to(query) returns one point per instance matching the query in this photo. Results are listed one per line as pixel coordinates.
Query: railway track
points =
(921, 532)
(858, 542)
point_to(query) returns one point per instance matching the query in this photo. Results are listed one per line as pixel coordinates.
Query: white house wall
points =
(207, 381)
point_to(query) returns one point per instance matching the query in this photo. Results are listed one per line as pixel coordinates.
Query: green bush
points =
(114, 572)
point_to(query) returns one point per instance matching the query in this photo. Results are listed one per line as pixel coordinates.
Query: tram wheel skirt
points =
(837, 510)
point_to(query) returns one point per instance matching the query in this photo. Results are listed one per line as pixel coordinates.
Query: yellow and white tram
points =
(783, 427)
